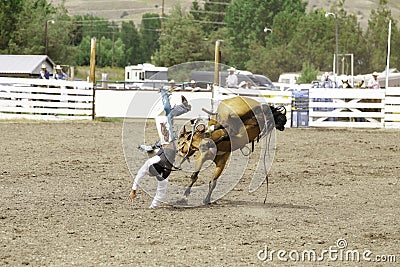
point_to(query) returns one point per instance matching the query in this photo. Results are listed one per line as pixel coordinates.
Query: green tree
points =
(9, 12)
(313, 41)
(246, 21)
(92, 26)
(351, 40)
(111, 53)
(150, 31)
(132, 40)
(377, 35)
(60, 37)
(270, 61)
(29, 34)
(308, 73)
(83, 56)
(212, 16)
(181, 40)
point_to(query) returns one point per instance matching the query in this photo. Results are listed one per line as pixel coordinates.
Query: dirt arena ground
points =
(64, 188)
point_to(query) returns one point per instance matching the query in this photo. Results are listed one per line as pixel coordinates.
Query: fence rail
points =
(392, 107)
(71, 100)
(45, 99)
(346, 108)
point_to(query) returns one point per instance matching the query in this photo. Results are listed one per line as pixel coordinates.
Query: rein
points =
(191, 138)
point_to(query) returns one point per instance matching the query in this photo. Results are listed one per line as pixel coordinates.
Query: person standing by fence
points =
(327, 82)
(44, 73)
(232, 79)
(373, 83)
(60, 75)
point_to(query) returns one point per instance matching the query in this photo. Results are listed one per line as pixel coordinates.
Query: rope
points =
(266, 194)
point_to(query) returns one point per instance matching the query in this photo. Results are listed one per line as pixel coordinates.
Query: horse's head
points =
(280, 119)
(189, 141)
(346, 84)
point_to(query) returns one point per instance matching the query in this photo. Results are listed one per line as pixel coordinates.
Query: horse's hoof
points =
(181, 202)
(187, 192)
(206, 202)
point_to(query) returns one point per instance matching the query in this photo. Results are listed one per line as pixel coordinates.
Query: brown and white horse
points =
(237, 122)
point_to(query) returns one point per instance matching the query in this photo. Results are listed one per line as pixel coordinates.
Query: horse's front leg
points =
(193, 178)
(198, 164)
(220, 162)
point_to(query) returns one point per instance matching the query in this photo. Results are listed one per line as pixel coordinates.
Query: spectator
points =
(59, 75)
(232, 79)
(373, 83)
(327, 82)
(44, 73)
(192, 86)
(245, 85)
(173, 87)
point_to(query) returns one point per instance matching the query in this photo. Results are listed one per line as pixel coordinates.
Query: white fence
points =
(392, 107)
(346, 108)
(45, 99)
(71, 100)
(148, 104)
(364, 108)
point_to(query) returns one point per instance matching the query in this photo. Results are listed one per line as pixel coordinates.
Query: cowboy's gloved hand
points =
(132, 195)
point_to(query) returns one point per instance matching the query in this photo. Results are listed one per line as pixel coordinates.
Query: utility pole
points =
(98, 52)
(162, 17)
(112, 55)
(46, 42)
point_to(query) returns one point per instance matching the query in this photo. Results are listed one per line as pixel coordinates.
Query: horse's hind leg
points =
(211, 187)
(220, 162)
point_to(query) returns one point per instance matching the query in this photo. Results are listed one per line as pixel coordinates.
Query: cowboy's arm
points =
(141, 173)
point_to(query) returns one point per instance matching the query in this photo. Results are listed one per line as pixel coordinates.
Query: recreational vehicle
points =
(146, 75)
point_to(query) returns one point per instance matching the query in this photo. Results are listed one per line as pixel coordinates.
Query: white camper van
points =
(144, 75)
(289, 78)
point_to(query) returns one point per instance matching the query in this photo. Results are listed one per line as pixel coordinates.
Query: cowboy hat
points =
(58, 67)
(375, 73)
(231, 69)
(43, 66)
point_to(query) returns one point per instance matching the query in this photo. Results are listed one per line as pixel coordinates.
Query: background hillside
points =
(121, 10)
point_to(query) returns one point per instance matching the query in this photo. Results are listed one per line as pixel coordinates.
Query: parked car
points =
(263, 81)
(257, 80)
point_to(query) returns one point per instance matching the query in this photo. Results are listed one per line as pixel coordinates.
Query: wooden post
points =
(72, 73)
(92, 76)
(162, 17)
(217, 60)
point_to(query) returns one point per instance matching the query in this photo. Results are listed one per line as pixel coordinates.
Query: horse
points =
(346, 84)
(237, 122)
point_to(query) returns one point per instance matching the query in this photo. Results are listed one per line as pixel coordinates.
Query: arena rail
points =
(144, 104)
(76, 100)
(148, 104)
(392, 107)
(363, 108)
(38, 99)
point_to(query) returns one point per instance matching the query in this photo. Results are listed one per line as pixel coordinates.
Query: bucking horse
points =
(237, 122)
